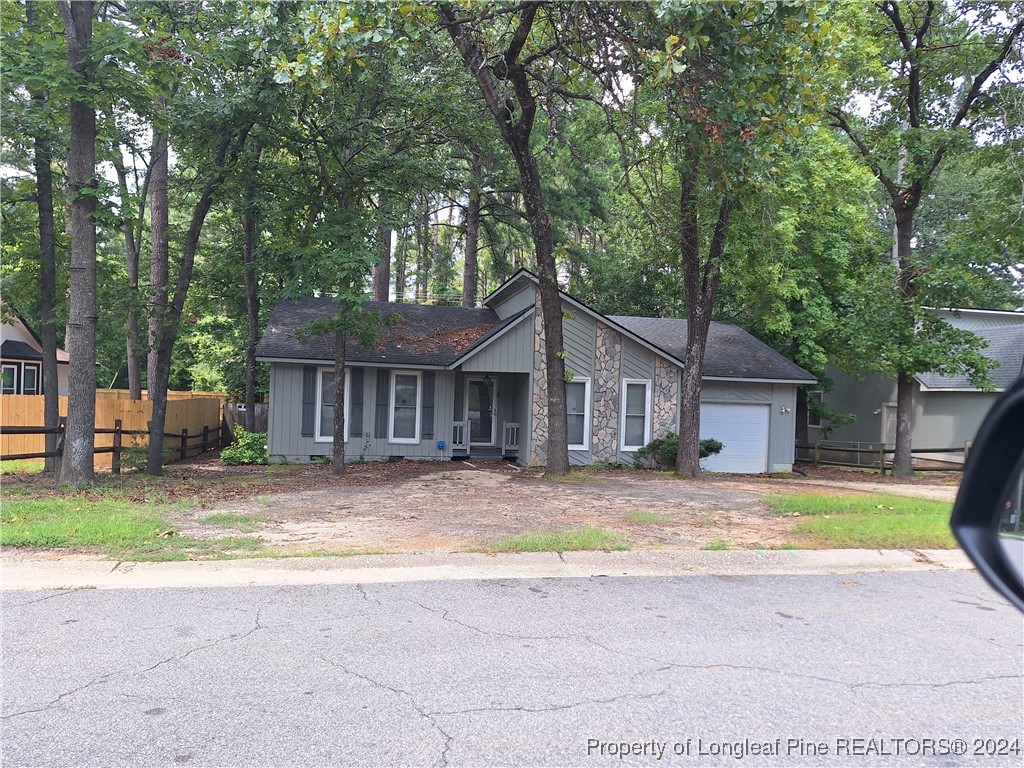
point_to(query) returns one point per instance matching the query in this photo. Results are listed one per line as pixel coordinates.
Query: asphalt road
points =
(841, 670)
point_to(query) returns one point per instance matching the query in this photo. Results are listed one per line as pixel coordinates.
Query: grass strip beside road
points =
(587, 538)
(868, 521)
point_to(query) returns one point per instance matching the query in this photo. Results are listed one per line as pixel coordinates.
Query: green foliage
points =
(248, 448)
(587, 538)
(663, 451)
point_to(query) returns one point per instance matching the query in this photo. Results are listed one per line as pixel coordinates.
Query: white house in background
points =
(947, 409)
(21, 358)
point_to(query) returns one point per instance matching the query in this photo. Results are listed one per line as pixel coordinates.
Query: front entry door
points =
(480, 411)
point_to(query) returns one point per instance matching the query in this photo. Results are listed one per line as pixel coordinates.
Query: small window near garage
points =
(814, 408)
(30, 380)
(404, 424)
(577, 409)
(636, 409)
(10, 379)
(325, 405)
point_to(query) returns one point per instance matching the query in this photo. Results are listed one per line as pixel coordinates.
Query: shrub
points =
(248, 448)
(663, 451)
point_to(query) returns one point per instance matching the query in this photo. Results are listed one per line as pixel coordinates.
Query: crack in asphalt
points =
(229, 639)
(444, 613)
(361, 589)
(428, 716)
(107, 676)
(58, 593)
(61, 697)
(554, 707)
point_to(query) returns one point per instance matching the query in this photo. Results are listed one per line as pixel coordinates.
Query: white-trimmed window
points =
(577, 413)
(405, 413)
(325, 405)
(10, 378)
(813, 415)
(30, 384)
(635, 424)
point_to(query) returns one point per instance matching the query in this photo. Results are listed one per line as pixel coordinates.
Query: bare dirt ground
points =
(422, 507)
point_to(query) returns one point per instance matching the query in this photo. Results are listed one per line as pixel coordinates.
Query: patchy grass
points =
(22, 466)
(648, 518)
(875, 521)
(718, 545)
(244, 523)
(587, 538)
(114, 526)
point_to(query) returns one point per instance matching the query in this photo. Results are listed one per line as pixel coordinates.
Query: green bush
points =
(664, 449)
(248, 448)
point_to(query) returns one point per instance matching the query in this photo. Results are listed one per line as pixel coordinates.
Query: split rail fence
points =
(194, 424)
(878, 457)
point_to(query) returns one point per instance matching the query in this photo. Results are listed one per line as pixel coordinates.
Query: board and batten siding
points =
(637, 362)
(517, 302)
(285, 442)
(510, 353)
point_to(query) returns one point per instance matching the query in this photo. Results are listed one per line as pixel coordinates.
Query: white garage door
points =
(743, 430)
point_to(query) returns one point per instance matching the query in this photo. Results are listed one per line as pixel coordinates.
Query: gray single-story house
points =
(450, 382)
(947, 409)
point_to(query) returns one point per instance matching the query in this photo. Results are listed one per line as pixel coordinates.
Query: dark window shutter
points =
(355, 402)
(380, 428)
(308, 400)
(427, 424)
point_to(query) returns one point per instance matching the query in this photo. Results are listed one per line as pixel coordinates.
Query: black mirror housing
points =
(996, 453)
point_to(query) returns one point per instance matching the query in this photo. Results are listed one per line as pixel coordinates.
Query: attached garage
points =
(743, 429)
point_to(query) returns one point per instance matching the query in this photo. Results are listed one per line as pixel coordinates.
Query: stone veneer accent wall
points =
(605, 395)
(666, 398)
(539, 406)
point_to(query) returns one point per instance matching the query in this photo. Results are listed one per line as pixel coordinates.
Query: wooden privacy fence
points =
(120, 422)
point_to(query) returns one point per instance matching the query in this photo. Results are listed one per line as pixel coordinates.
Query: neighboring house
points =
(448, 382)
(947, 409)
(21, 358)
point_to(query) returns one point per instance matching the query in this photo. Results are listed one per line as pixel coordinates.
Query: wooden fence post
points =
(184, 444)
(206, 438)
(967, 449)
(222, 437)
(881, 459)
(62, 422)
(817, 452)
(115, 460)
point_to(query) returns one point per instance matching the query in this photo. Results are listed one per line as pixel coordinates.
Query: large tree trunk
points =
(158, 386)
(401, 258)
(700, 277)
(338, 459)
(423, 261)
(79, 437)
(557, 462)
(252, 299)
(382, 269)
(469, 272)
(902, 460)
(158, 259)
(515, 119)
(42, 159)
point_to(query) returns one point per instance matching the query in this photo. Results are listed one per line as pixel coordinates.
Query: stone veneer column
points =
(666, 398)
(605, 395)
(539, 401)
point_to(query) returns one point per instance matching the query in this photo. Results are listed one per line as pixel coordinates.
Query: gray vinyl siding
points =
(948, 419)
(517, 302)
(637, 362)
(286, 443)
(512, 352)
(865, 399)
(579, 337)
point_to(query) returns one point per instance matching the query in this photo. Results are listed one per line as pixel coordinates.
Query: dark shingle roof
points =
(18, 350)
(423, 335)
(731, 353)
(1005, 346)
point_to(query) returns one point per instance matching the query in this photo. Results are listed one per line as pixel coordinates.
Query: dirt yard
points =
(414, 507)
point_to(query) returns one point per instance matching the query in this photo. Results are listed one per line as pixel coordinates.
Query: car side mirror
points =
(987, 515)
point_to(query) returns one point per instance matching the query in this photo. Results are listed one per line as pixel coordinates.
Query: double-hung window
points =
(325, 405)
(30, 379)
(404, 417)
(636, 414)
(10, 380)
(577, 410)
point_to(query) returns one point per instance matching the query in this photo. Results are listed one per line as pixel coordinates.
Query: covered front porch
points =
(490, 420)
